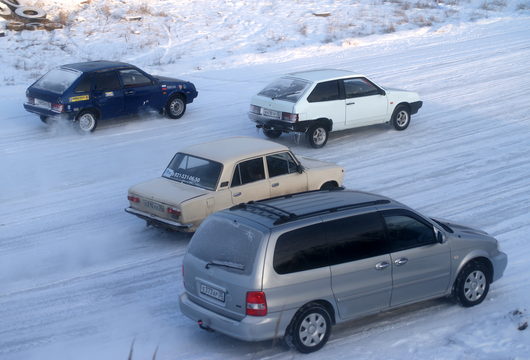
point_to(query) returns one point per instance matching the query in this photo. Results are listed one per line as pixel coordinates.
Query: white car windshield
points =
(192, 170)
(57, 80)
(286, 88)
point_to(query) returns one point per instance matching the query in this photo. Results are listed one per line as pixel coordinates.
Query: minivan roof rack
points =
(272, 210)
(330, 210)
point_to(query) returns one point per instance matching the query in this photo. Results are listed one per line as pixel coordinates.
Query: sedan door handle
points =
(129, 92)
(352, 103)
(401, 261)
(275, 184)
(237, 194)
(382, 265)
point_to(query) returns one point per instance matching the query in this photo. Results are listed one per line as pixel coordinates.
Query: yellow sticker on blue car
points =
(79, 98)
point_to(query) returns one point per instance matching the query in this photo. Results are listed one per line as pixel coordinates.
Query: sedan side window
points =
(359, 87)
(281, 164)
(84, 84)
(134, 78)
(325, 91)
(106, 81)
(248, 171)
(356, 237)
(405, 232)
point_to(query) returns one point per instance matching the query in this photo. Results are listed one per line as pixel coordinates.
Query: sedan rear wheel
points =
(317, 135)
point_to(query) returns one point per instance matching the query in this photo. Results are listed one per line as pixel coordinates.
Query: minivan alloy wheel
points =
(475, 285)
(312, 329)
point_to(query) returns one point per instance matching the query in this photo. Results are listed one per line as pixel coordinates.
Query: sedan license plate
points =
(42, 104)
(155, 206)
(211, 292)
(271, 113)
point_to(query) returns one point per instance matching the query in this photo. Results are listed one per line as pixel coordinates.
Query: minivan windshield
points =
(195, 171)
(57, 80)
(226, 244)
(285, 88)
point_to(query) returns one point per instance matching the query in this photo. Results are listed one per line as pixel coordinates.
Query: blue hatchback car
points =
(97, 90)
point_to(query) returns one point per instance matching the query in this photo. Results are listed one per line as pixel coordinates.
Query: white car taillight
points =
(256, 303)
(289, 117)
(133, 199)
(255, 109)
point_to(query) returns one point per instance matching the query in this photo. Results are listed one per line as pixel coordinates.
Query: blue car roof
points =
(96, 65)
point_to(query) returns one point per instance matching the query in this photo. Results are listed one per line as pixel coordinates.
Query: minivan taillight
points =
(289, 117)
(256, 303)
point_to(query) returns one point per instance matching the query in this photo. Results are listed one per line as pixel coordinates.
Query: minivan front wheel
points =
(310, 329)
(472, 284)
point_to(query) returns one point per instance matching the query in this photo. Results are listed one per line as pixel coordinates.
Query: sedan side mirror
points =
(382, 92)
(300, 168)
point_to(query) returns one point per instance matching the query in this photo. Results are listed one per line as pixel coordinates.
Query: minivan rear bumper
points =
(250, 328)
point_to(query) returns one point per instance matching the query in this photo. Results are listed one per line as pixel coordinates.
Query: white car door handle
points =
(275, 184)
(401, 261)
(382, 265)
(237, 194)
(352, 103)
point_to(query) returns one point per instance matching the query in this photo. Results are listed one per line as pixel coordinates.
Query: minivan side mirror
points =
(440, 237)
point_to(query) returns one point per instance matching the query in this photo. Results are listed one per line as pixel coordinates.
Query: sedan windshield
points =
(57, 80)
(195, 171)
(288, 89)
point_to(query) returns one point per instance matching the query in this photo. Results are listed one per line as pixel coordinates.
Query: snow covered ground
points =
(81, 279)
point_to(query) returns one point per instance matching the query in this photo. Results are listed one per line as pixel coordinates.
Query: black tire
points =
(330, 185)
(309, 329)
(271, 133)
(176, 107)
(86, 121)
(317, 136)
(472, 284)
(401, 118)
(44, 119)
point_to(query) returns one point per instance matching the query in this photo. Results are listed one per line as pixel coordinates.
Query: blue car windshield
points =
(57, 80)
(195, 171)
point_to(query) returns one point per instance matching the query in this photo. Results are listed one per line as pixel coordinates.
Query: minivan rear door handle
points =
(401, 261)
(382, 265)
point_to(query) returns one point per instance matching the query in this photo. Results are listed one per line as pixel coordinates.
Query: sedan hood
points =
(167, 191)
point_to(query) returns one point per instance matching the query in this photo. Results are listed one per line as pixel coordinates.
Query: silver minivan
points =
(293, 266)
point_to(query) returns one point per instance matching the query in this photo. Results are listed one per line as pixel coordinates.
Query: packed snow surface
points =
(81, 279)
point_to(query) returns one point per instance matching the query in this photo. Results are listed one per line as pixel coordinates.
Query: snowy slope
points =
(81, 279)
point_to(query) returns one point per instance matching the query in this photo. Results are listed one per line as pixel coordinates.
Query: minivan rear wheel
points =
(310, 329)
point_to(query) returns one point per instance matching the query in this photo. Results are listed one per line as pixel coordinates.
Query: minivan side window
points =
(359, 87)
(106, 81)
(325, 91)
(406, 232)
(248, 171)
(281, 164)
(356, 237)
(301, 249)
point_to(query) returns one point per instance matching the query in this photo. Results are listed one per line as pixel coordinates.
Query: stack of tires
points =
(25, 17)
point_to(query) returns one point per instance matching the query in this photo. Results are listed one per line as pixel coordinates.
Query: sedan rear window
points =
(194, 171)
(226, 244)
(288, 89)
(57, 80)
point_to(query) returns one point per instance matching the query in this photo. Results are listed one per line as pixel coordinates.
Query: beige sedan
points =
(209, 177)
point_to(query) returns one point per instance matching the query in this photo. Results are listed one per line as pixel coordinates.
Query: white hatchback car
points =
(319, 101)
(212, 176)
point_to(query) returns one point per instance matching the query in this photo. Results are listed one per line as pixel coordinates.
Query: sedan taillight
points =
(58, 108)
(133, 199)
(256, 303)
(255, 109)
(31, 100)
(173, 211)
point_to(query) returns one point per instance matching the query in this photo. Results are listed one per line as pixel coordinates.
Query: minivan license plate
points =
(211, 292)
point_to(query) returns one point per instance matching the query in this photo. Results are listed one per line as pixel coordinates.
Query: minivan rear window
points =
(222, 241)
(57, 80)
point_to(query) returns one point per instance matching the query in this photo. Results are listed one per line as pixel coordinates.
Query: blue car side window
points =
(106, 81)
